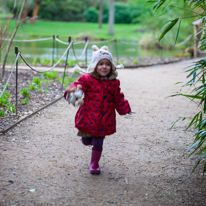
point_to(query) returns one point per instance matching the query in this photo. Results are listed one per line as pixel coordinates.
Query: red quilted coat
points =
(101, 97)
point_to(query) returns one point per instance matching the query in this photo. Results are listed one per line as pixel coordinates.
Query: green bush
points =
(91, 14)
(122, 14)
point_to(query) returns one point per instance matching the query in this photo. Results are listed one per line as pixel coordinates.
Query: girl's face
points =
(103, 67)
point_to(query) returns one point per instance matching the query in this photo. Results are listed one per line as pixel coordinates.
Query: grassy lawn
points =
(77, 30)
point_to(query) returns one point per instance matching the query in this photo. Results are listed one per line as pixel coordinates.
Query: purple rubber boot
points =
(94, 166)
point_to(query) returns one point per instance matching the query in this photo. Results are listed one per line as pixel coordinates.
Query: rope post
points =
(53, 50)
(162, 48)
(69, 40)
(116, 51)
(86, 39)
(16, 52)
(57, 47)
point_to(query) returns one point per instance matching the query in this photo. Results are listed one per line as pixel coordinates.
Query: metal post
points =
(69, 40)
(116, 51)
(16, 52)
(57, 47)
(53, 50)
(86, 38)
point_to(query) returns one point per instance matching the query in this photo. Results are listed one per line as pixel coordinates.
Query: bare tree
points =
(111, 17)
(11, 39)
(35, 11)
(24, 13)
(100, 13)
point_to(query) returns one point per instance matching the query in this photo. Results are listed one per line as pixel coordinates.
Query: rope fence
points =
(69, 44)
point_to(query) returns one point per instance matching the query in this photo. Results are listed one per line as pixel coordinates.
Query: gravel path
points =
(43, 162)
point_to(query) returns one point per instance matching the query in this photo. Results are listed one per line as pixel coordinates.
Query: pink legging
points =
(96, 141)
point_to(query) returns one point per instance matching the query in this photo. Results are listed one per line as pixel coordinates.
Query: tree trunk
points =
(12, 37)
(25, 12)
(111, 17)
(35, 11)
(100, 13)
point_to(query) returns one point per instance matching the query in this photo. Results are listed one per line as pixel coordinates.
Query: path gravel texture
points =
(43, 162)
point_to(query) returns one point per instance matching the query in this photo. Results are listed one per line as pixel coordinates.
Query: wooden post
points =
(195, 40)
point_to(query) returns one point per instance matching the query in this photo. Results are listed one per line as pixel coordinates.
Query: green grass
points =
(77, 30)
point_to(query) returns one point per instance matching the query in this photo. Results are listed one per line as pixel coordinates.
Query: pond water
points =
(44, 50)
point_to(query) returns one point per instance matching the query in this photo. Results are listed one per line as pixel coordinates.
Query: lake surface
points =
(44, 50)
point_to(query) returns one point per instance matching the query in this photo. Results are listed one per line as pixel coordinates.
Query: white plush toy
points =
(74, 96)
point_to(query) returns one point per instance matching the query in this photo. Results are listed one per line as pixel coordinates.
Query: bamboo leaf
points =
(177, 33)
(168, 28)
(196, 143)
(192, 96)
(198, 161)
(193, 119)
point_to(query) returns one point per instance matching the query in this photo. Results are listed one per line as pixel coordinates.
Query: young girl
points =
(96, 117)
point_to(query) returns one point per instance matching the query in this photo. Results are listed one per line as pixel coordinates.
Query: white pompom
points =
(105, 48)
(94, 47)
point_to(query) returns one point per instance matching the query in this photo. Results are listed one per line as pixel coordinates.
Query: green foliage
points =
(63, 10)
(25, 92)
(10, 107)
(36, 80)
(4, 103)
(71, 62)
(135, 61)
(122, 14)
(51, 75)
(5, 85)
(59, 79)
(4, 99)
(32, 87)
(2, 113)
(46, 91)
(25, 101)
(76, 72)
(196, 81)
(56, 60)
(91, 14)
(168, 27)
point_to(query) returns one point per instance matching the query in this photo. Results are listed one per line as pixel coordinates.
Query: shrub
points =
(91, 15)
(122, 14)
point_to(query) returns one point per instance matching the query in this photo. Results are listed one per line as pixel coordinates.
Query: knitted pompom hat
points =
(99, 54)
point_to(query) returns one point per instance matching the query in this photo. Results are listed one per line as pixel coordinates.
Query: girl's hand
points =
(132, 112)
